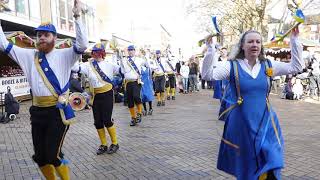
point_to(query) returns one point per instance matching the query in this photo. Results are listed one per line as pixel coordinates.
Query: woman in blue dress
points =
(252, 143)
(147, 90)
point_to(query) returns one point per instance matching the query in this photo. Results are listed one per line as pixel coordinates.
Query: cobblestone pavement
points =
(180, 141)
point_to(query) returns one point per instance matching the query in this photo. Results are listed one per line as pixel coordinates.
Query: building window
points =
(12, 5)
(21, 7)
(70, 16)
(35, 9)
(63, 14)
(54, 13)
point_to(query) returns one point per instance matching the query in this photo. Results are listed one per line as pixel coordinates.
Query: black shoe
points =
(144, 113)
(133, 122)
(113, 148)
(150, 112)
(168, 98)
(163, 103)
(139, 118)
(159, 103)
(102, 149)
(173, 98)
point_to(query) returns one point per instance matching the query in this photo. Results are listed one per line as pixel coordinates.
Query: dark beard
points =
(45, 47)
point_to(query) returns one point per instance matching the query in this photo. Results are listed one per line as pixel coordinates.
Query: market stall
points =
(11, 74)
(282, 50)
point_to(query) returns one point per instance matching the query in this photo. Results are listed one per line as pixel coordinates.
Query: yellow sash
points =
(55, 97)
(107, 86)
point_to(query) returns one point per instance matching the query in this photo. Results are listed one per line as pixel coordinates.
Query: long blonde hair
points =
(238, 53)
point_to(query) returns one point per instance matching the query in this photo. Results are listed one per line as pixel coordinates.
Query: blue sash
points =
(134, 66)
(68, 111)
(159, 62)
(101, 73)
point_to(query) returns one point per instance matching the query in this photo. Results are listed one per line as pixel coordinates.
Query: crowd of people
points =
(303, 84)
(10, 71)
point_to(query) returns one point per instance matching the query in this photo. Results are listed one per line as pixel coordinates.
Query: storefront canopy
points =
(286, 44)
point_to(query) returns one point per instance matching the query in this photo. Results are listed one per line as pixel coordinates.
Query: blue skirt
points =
(147, 93)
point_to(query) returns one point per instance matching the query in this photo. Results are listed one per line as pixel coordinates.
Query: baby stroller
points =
(11, 105)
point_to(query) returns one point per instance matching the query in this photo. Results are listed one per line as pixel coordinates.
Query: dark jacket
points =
(75, 85)
(193, 69)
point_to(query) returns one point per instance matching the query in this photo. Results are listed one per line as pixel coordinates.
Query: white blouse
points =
(221, 70)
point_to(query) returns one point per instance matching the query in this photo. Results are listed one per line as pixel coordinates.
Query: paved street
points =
(178, 143)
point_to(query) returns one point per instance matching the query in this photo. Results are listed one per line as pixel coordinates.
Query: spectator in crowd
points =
(179, 78)
(10, 71)
(184, 72)
(297, 89)
(314, 75)
(287, 91)
(193, 75)
(75, 85)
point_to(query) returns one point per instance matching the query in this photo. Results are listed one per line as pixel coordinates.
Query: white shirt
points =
(222, 70)
(107, 67)
(184, 71)
(60, 61)
(173, 63)
(297, 88)
(128, 71)
(157, 68)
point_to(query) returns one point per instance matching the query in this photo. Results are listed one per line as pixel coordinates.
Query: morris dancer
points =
(100, 73)
(171, 72)
(159, 77)
(48, 72)
(131, 68)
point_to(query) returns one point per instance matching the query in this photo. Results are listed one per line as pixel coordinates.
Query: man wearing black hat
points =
(131, 68)
(100, 72)
(48, 72)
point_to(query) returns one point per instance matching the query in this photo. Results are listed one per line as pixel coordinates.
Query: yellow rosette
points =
(269, 72)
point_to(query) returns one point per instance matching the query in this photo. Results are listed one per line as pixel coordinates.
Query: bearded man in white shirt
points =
(48, 72)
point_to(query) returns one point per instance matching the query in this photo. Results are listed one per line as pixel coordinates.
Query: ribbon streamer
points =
(299, 18)
(214, 21)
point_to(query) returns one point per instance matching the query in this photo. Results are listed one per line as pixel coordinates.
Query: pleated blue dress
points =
(147, 87)
(252, 142)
